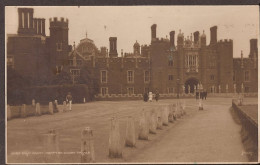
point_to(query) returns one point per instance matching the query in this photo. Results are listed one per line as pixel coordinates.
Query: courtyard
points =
(210, 135)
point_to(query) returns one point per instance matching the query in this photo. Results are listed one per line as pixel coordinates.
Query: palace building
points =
(170, 66)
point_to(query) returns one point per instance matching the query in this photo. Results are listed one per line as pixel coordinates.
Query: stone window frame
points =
(212, 77)
(145, 76)
(247, 76)
(72, 73)
(59, 46)
(8, 63)
(170, 77)
(170, 90)
(106, 91)
(127, 76)
(106, 77)
(127, 90)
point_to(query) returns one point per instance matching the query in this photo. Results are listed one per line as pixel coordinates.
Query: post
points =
(143, 127)
(153, 122)
(9, 114)
(38, 109)
(130, 132)
(51, 108)
(87, 146)
(33, 102)
(64, 106)
(165, 115)
(115, 149)
(23, 111)
(51, 147)
(84, 100)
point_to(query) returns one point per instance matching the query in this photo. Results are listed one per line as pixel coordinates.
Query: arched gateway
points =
(190, 82)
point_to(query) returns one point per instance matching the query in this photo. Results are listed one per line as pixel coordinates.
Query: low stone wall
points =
(249, 132)
(24, 111)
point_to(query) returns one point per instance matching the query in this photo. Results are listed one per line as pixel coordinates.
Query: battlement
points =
(225, 41)
(59, 22)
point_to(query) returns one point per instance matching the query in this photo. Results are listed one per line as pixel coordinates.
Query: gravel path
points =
(210, 135)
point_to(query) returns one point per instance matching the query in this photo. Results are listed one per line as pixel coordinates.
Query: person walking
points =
(69, 100)
(157, 95)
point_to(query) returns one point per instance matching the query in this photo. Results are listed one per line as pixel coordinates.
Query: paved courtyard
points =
(200, 136)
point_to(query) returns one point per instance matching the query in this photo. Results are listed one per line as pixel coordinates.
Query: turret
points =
(136, 48)
(196, 37)
(213, 35)
(59, 42)
(113, 47)
(203, 41)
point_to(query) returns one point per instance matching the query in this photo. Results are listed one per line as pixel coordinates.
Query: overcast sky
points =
(131, 23)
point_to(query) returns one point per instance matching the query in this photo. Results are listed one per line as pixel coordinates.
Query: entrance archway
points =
(191, 82)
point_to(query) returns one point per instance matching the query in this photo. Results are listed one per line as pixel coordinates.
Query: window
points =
(212, 77)
(59, 46)
(79, 62)
(130, 76)
(71, 62)
(75, 72)
(130, 91)
(170, 77)
(146, 76)
(247, 75)
(103, 76)
(170, 63)
(104, 91)
(10, 62)
(170, 90)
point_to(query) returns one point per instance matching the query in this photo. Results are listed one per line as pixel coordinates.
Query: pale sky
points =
(131, 23)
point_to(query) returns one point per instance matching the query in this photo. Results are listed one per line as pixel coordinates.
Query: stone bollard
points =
(143, 127)
(87, 146)
(33, 102)
(51, 147)
(9, 114)
(170, 117)
(38, 109)
(51, 108)
(115, 149)
(165, 116)
(23, 111)
(200, 105)
(55, 106)
(84, 100)
(130, 132)
(153, 122)
(159, 123)
(64, 109)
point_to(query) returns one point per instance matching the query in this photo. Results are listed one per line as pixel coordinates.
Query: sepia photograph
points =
(131, 84)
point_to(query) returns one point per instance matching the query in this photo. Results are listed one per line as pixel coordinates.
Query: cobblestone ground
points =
(200, 136)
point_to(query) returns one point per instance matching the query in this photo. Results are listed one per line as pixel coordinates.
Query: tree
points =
(16, 87)
(62, 78)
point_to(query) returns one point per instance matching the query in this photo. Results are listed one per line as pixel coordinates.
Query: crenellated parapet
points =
(61, 22)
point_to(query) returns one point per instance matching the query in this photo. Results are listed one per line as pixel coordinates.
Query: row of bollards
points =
(149, 122)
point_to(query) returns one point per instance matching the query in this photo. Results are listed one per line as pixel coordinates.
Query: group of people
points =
(201, 95)
(149, 96)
